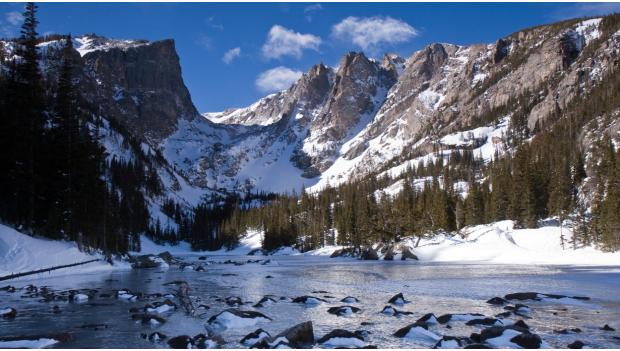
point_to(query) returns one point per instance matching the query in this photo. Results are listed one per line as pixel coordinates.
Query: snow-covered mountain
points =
(337, 123)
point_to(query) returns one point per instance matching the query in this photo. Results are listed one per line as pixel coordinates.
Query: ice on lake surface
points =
(436, 288)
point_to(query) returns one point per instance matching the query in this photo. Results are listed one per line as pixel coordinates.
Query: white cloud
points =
(308, 10)
(14, 18)
(370, 33)
(231, 55)
(285, 42)
(277, 79)
(314, 7)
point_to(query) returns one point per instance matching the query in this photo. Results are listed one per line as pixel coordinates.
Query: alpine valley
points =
(371, 151)
(393, 202)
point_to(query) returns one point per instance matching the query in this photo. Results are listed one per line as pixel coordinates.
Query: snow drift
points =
(21, 253)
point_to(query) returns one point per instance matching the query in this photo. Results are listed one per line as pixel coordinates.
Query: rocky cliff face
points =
(138, 83)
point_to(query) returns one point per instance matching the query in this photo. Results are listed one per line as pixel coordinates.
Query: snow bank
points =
(500, 243)
(252, 240)
(27, 344)
(148, 246)
(22, 253)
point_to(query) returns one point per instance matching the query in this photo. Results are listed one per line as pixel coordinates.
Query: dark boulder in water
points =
(524, 339)
(452, 342)
(202, 341)
(308, 300)
(391, 311)
(8, 288)
(398, 299)
(266, 300)
(567, 331)
(402, 332)
(606, 327)
(299, 336)
(497, 301)
(234, 301)
(428, 318)
(419, 332)
(181, 342)
(503, 315)
(527, 341)
(520, 326)
(254, 337)
(577, 344)
(343, 310)
(523, 296)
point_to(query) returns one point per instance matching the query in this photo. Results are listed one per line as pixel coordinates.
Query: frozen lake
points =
(436, 288)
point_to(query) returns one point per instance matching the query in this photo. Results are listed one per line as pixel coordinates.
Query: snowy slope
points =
(250, 241)
(500, 243)
(22, 253)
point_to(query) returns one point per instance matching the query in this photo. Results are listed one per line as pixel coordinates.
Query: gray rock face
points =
(140, 86)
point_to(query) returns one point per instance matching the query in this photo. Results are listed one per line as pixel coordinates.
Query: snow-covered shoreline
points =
(21, 253)
(495, 243)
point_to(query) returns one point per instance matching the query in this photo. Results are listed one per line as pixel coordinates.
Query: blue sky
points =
(233, 54)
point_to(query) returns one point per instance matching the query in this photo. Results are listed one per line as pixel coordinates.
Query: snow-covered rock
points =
(255, 337)
(233, 318)
(343, 311)
(418, 332)
(8, 312)
(340, 338)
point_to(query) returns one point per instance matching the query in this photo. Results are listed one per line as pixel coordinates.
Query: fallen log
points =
(17, 275)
